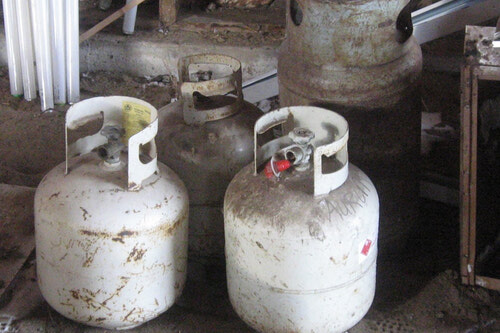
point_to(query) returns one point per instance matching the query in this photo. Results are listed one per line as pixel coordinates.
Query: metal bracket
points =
(112, 110)
(331, 134)
(223, 83)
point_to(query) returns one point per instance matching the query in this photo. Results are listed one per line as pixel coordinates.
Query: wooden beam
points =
(168, 11)
(465, 151)
(488, 282)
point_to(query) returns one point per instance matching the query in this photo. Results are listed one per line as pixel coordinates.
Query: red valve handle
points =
(279, 166)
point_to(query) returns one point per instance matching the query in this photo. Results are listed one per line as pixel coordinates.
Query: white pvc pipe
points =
(26, 47)
(58, 33)
(13, 52)
(129, 20)
(72, 51)
(41, 33)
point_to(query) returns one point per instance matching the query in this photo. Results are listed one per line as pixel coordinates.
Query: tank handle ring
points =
(222, 84)
(140, 121)
(331, 137)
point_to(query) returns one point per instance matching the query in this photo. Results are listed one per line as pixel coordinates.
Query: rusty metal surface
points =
(209, 75)
(206, 158)
(106, 256)
(347, 53)
(17, 239)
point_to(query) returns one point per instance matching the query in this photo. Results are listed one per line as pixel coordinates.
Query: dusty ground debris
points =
(418, 291)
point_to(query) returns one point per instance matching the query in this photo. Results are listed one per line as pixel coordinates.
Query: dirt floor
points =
(417, 291)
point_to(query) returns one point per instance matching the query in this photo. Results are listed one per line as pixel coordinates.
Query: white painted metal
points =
(297, 262)
(26, 47)
(110, 254)
(58, 33)
(12, 45)
(72, 51)
(43, 54)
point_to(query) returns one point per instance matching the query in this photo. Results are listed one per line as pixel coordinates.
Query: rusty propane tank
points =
(109, 254)
(360, 59)
(206, 138)
(301, 244)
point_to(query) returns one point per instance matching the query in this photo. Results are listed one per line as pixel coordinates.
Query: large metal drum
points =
(206, 138)
(111, 228)
(301, 249)
(359, 59)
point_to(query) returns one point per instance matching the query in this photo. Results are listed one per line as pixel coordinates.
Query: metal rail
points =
(448, 16)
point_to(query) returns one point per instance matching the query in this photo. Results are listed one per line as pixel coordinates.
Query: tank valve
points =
(298, 154)
(110, 152)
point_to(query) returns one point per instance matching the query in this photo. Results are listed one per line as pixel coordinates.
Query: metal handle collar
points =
(116, 110)
(331, 133)
(209, 84)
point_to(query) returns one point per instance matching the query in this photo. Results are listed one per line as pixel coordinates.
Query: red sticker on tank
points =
(366, 247)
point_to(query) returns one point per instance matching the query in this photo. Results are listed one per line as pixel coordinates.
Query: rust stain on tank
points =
(93, 233)
(126, 317)
(168, 230)
(114, 237)
(118, 290)
(85, 214)
(136, 254)
(386, 23)
(89, 257)
(75, 294)
(118, 239)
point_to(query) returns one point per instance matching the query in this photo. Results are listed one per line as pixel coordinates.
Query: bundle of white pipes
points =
(43, 35)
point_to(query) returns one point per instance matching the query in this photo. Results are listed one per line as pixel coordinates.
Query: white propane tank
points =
(111, 230)
(301, 246)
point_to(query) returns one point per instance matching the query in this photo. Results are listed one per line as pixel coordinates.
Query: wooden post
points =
(168, 11)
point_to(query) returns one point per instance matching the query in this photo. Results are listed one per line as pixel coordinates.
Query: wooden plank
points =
(473, 177)
(488, 282)
(108, 20)
(489, 73)
(168, 11)
(465, 122)
(17, 239)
